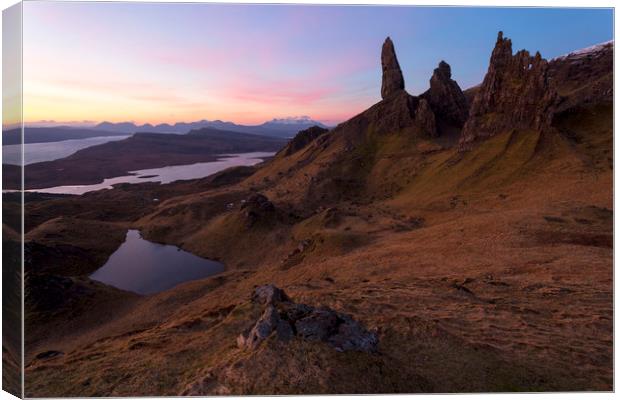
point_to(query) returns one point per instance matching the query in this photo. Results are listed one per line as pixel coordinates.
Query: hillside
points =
(140, 151)
(584, 76)
(448, 242)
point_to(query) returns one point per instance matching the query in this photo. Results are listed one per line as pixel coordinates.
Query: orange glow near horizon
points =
(118, 71)
(184, 62)
(62, 103)
(69, 101)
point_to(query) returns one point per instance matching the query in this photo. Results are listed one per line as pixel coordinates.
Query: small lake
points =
(165, 174)
(50, 151)
(145, 267)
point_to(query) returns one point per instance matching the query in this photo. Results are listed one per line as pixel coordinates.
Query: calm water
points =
(38, 152)
(145, 267)
(165, 174)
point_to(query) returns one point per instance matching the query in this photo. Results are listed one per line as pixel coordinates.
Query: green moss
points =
(492, 163)
(590, 131)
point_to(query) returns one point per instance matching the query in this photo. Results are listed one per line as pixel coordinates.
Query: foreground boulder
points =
(286, 320)
(269, 295)
(515, 94)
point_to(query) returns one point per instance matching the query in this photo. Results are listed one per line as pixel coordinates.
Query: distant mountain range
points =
(279, 128)
(283, 127)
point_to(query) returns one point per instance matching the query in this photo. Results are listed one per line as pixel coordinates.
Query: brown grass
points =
(485, 271)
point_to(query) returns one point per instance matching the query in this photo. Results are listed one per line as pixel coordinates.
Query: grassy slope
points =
(489, 271)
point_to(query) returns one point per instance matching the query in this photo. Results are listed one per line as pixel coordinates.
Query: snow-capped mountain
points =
(592, 51)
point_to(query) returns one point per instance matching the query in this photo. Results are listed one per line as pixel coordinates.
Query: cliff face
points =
(425, 118)
(516, 94)
(445, 96)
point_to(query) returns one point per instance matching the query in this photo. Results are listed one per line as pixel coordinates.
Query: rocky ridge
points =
(302, 139)
(584, 77)
(516, 94)
(446, 97)
(398, 111)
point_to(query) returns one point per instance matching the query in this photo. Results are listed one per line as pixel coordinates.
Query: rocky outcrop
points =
(268, 323)
(515, 94)
(584, 77)
(257, 207)
(399, 113)
(286, 320)
(446, 97)
(425, 118)
(393, 81)
(269, 295)
(303, 138)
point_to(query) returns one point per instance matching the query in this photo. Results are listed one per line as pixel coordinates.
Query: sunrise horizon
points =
(265, 62)
(91, 123)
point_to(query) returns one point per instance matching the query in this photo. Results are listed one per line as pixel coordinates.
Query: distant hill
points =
(283, 128)
(280, 128)
(53, 134)
(584, 77)
(140, 151)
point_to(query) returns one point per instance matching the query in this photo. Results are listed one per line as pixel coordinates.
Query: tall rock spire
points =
(392, 75)
(446, 97)
(515, 94)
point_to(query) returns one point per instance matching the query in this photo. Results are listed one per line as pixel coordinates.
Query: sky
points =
(11, 66)
(169, 62)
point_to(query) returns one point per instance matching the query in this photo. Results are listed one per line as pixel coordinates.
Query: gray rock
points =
(353, 336)
(284, 331)
(296, 311)
(269, 294)
(319, 325)
(288, 320)
(266, 324)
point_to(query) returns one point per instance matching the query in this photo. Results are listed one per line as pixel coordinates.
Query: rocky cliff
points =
(398, 111)
(516, 93)
(445, 97)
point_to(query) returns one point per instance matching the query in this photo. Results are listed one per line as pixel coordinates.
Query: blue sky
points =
(154, 62)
